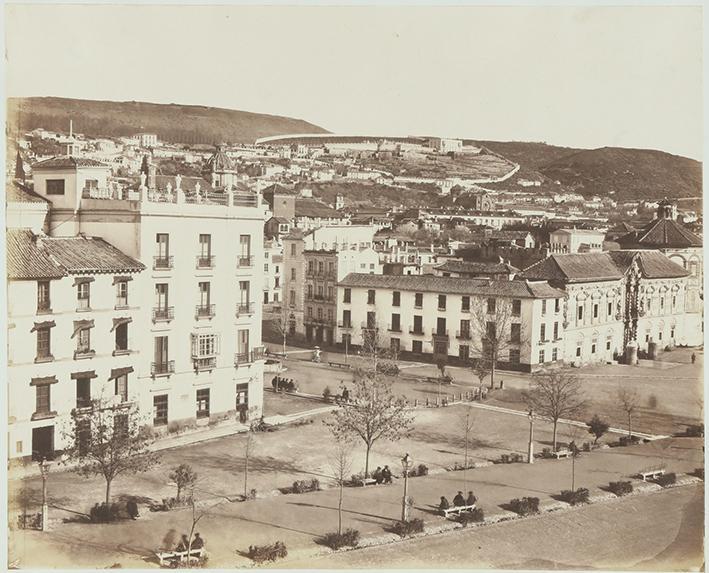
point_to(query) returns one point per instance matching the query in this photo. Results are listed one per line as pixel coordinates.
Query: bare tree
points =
(282, 324)
(247, 450)
(467, 423)
(108, 439)
(481, 369)
(373, 413)
(556, 394)
(184, 478)
(492, 321)
(340, 466)
(629, 401)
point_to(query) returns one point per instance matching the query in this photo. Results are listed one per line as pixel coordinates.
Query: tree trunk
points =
(366, 462)
(554, 436)
(108, 492)
(339, 509)
(492, 372)
(179, 492)
(284, 344)
(630, 424)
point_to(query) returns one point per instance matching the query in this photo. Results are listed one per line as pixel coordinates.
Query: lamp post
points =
(406, 464)
(44, 471)
(530, 449)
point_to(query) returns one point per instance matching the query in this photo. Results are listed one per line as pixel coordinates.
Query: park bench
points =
(651, 473)
(178, 556)
(372, 481)
(457, 510)
(561, 454)
(339, 365)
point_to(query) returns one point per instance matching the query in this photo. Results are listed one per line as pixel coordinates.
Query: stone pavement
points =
(299, 520)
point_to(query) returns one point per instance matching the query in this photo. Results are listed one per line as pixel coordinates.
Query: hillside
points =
(172, 122)
(628, 173)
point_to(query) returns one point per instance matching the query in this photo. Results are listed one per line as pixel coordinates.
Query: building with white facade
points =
(576, 241)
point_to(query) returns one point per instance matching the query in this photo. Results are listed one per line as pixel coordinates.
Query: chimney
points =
(71, 128)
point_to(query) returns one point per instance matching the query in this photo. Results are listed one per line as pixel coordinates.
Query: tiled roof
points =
(315, 209)
(67, 162)
(476, 267)
(659, 234)
(219, 162)
(622, 227)
(26, 259)
(653, 264)
(16, 192)
(508, 235)
(453, 285)
(83, 254)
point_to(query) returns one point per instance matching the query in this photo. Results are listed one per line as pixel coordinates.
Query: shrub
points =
(263, 553)
(447, 379)
(104, 513)
(388, 368)
(348, 538)
(356, 479)
(628, 440)
(406, 528)
(475, 516)
(695, 431)
(699, 472)
(327, 394)
(420, 470)
(169, 503)
(597, 427)
(184, 477)
(620, 488)
(652, 401)
(29, 521)
(303, 486)
(525, 506)
(666, 479)
(575, 497)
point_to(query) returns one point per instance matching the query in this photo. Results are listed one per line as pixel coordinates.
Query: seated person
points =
(386, 474)
(459, 500)
(444, 504)
(471, 499)
(197, 542)
(377, 475)
(183, 544)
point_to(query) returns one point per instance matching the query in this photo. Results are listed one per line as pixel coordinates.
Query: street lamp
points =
(530, 449)
(406, 464)
(44, 471)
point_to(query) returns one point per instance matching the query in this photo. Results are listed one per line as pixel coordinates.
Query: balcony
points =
(83, 353)
(163, 263)
(121, 302)
(245, 262)
(203, 364)
(319, 298)
(163, 313)
(44, 307)
(318, 321)
(344, 324)
(242, 358)
(440, 333)
(394, 328)
(205, 261)
(245, 308)
(417, 330)
(463, 335)
(369, 326)
(465, 309)
(162, 368)
(204, 311)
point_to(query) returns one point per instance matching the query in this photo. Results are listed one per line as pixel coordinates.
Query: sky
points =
(578, 76)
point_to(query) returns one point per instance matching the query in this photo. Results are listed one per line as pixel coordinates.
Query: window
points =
(593, 348)
(83, 392)
(55, 186)
(292, 250)
(205, 250)
(465, 304)
(516, 307)
(516, 332)
(204, 296)
(162, 241)
(244, 293)
(659, 336)
(205, 345)
(396, 298)
(43, 302)
(595, 311)
(541, 357)
(321, 292)
(662, 302)
(120, 425)
(83, 341)
(395, 345)
(83, 436)
(441, 302)
(44, 347)
(329, 315)
(491, 330)
(245, 248)
(122, 293)
(122, 387)
(43, 398)
(348, 295)
(203, 403)
(242, 396)
(610, 308)
(579, 313)
(310, 292)
(544, 307)
(242, 342)
(417, 346)
(311, 267)
(543, 333)
(319, 313)
(490, 305)
(160, 410)
(674, 301)
(321, 267)
(371, 320)
(371, 296)
(292, 274)
(554, 354)
(556, 331)
(440, 347)
(557, 305)
(161, 355)
(465, 329)
(418, 324)
(265, 267)
(346, 319)
(277, 282)
(122, 336)
(578, 351)
(83, 295)
(310, 312)
(331, 268)
(514, 355)
(396, 322)
(292, 298)
(608, 344)
(418, 300)
(464, 352)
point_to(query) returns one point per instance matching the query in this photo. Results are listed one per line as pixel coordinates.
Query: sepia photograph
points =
(384, 286)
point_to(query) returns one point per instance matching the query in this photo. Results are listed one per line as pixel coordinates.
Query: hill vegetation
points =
(172, 122)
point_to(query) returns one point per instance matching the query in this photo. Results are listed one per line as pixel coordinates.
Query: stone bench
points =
(561, 454)
(339, 365)
(179, 556)
(651, 473)
(457, 510)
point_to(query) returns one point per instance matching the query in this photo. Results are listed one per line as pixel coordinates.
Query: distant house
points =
(576, 241)
(275, 227)
(476, 269)
(516, 238)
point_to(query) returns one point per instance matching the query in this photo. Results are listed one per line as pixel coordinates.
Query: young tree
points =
(185, 478)
(373, 413)
(556, 394)
(108, 440)
(481, 369)
(282, 324)
(247, 450)
(629, 401)
(491, 321)
(340, 466)
(467, 422)
(597, 427)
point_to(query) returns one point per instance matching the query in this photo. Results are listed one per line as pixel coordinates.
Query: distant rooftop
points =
(67, 162)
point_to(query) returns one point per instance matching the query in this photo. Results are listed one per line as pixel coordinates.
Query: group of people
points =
(458, 500)
(382, 475)
(277, 382)
(184, 544)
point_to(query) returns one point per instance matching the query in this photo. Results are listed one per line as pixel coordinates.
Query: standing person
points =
(345, 394)
(459, 500)
(132, 509)
(386, 474)
(694, 357)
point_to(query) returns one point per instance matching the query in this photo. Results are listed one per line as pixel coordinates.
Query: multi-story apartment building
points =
(618, 297)
(576, 241)
(200, 357)
(76, 329)
(272, 267)
(440, 318)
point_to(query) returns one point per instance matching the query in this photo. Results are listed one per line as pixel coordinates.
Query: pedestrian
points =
(132, 509)
(168, 541)
(345, 394)
(377, 475)
(197, 542)
(444, 504)
(694, 357)
(471, 499)
(459, 500)
(502, 383)
(386, 474)
(183, 544)
(274, 382)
